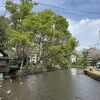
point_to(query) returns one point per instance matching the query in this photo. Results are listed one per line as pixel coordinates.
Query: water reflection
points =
(57, 85)
(73, 71)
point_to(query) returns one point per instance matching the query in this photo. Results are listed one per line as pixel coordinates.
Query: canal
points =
(69, 84)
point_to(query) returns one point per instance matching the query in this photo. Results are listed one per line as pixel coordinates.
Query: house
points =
(4, 60)
(73, 58)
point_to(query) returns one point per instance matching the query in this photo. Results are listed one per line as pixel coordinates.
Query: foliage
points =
(94, 61)
(85, 57)
(44, 34)
(54, 41)
(17, 37)
(3, 26)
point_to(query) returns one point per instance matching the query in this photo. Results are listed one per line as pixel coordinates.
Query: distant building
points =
(93, 53)
(33, 59)
(73, 58)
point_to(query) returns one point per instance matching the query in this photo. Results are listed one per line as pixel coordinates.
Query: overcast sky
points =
(85, 27)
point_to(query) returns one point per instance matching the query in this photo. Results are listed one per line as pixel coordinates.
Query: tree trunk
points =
(21, 67)
(22, 62)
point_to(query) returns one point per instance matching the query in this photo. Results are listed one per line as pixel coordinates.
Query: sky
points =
(84, 26)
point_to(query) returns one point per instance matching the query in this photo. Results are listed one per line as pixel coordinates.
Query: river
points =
(69, 84)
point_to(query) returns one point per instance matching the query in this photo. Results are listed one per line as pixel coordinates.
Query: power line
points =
(2, 7)
(68, 9)
(3, 11)
(3, 3)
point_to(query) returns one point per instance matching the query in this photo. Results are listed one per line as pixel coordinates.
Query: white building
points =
(73, 58)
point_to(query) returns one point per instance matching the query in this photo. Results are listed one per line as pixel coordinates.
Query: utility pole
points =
(99, 38)
(99, 35)
(97, 44)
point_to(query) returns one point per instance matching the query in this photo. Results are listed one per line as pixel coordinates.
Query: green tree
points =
(3, 26)
(45, 31)
(85, 57)
(53, 41)
(17, 37)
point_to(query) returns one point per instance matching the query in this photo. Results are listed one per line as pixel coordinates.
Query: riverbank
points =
(40, 71)
(37, 71)
(93, 73)
(33, 70)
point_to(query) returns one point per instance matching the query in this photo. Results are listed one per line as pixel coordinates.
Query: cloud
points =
(85, 30)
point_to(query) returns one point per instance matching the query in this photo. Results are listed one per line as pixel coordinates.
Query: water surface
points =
(58, 85)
